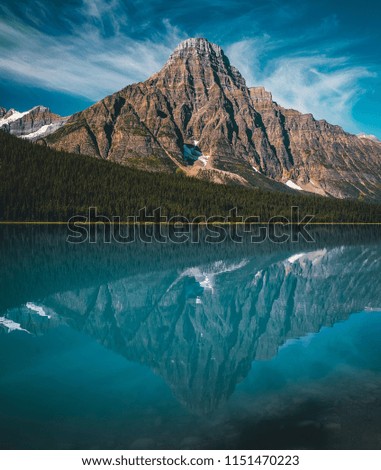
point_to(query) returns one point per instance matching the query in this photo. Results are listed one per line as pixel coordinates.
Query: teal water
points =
(192, 346)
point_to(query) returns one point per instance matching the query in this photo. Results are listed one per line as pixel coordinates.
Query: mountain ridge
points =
(32, 124)
(242, 134)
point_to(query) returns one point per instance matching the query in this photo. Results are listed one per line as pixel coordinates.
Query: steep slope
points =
(319, 156)
(199, 96)
(33, 124)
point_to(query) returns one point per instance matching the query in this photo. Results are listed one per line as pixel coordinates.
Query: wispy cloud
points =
(91, 48)
(105, 13)
(326, 86)
(87, 63)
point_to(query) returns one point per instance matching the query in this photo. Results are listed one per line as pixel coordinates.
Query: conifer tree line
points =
(41, 184)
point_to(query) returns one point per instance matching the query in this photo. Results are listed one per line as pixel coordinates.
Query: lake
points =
(190, 345)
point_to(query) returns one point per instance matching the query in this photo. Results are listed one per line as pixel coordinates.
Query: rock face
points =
(199, 96)
(319, 156)
(32, 124)
(369, 137)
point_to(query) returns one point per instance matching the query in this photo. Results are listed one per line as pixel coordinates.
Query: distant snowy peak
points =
(44, 131)
(369, 137)
(11, 116)
(32, 124)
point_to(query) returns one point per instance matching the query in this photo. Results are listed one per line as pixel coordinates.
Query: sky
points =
(319, 57)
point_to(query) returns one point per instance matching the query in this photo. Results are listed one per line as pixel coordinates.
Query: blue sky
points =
(321, 57)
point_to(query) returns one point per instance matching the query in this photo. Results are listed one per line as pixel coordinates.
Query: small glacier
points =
(293, 185)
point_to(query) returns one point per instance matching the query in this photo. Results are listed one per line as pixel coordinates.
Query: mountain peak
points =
(201, 45)
(40, 108)
(198, 48)
(30, 124)
(198, 95)
(199, 55)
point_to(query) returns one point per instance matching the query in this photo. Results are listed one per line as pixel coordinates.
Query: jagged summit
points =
(201, 59)
(242, 134)
(41, 108)
(36, 122)
(198, 45)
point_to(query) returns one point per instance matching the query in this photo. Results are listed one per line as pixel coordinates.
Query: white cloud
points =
(95, 58)
(99, 10)
(246, 56)
(86, 62)
(327, 87)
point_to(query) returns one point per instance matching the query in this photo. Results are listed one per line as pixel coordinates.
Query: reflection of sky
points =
(320, 57)
(352, 345)
(84, 395)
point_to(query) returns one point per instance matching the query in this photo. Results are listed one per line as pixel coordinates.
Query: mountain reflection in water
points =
(200, 316)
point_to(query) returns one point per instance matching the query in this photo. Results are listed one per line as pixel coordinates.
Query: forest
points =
(41, 184)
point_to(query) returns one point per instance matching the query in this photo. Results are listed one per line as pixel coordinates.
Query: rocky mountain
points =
(318, 156)
(199, 99)
(33, 124)
(369, 137)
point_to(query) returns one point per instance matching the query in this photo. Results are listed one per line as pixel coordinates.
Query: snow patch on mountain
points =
(13, 116)
(32, 124)
(44, 130)
(204, 159)
(293, 185)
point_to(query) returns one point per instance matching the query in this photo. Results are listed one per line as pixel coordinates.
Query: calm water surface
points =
(192, 346)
